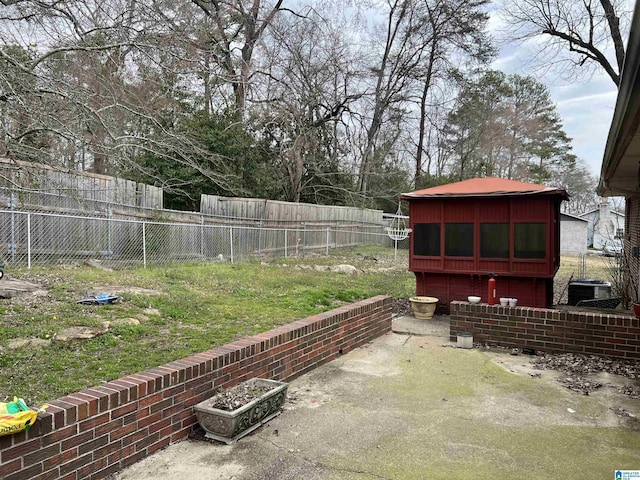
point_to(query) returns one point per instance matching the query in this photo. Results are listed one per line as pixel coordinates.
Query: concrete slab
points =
(412, 407)
(438, 326)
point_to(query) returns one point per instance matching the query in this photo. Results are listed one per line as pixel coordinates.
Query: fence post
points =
(260, 237)
(108, 215)
(12, 244)
(202, 236)
(144, 244)
(286, 236)
(29, 241)
(328, 234)
(231, 242)
(304, 238)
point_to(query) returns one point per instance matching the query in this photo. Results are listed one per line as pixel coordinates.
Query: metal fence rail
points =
(37, 238)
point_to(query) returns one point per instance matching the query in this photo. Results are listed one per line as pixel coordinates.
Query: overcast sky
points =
(586, 105)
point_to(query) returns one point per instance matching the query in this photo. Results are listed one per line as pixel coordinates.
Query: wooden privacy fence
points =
(37, 187)
(274, 213)
(43, 186)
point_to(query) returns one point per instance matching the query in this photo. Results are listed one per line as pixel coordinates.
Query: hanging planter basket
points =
(398, 234)
(398, 230)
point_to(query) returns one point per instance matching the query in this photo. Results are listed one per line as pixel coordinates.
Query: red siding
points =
(455, 278)
(449, 287)
(494, 210)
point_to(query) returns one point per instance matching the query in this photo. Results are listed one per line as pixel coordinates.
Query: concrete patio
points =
(412, 406)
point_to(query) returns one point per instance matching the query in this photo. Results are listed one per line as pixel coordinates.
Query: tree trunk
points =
(423, 114)
(614, 28)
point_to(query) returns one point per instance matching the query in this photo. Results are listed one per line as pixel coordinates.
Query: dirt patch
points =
(580, 371)
(120, 289)
(580, 364)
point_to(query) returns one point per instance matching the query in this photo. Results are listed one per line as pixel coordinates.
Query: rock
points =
(79, 333)
(151, 311)
(18, 343)
(321, 268)
(125, 321)
(13, 288)
(346, 269)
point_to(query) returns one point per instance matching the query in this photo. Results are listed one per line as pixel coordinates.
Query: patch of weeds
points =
(201, 306)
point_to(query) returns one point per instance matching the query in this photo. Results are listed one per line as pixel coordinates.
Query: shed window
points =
(426, 239)
(458, 239)
(494, 240)
(530, 240)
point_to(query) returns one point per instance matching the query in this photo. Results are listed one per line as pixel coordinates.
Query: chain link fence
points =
(39, 238)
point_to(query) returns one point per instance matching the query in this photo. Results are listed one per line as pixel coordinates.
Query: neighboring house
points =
(573, 234)
(620, 174)
(604, 224)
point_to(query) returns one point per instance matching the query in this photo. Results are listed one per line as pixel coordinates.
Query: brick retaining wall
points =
(548, 330)
(98, 431)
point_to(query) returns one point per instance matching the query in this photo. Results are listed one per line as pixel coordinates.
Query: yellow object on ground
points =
(17, 416)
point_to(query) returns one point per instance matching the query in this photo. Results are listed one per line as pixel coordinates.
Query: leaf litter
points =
(238, 396)
(578, 366)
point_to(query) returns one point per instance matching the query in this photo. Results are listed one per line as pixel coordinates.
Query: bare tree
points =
(105, 83)
(401, 55)
(581, 185)
(307, 88)
(577, 34)
(452, 29)
(234, 30)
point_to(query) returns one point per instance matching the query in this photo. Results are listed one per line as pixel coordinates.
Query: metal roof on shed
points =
(485, 187)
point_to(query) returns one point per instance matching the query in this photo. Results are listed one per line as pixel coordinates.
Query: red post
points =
(491, 296)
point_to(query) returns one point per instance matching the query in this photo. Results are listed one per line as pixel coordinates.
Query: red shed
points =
(463, 232)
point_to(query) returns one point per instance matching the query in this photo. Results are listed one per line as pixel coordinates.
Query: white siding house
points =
(604, 224)
(573, 234)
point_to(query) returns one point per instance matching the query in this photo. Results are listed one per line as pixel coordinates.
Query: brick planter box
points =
(98, 431)
(548, 330)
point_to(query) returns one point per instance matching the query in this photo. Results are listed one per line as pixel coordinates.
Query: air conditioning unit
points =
(588, 289)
